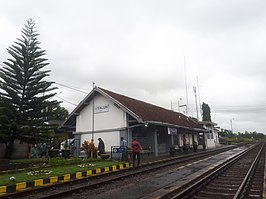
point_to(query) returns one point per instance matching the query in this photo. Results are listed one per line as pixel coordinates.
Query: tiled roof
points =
(152, 113)
(143, 111)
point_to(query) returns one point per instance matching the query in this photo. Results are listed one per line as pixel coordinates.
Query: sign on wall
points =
(172, 131)
(101, 109)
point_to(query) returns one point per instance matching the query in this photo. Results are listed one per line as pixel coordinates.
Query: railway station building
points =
(110, 116)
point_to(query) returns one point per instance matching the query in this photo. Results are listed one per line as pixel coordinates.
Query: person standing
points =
(35, 151)
(123, 144)
(101, 147)
(136, 150)
(43, 150)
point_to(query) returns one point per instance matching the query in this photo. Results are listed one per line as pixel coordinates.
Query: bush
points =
(89, 148)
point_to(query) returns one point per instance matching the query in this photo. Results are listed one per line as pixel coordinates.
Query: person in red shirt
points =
(136, 150)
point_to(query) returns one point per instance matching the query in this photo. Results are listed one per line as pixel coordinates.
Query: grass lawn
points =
(59, 170)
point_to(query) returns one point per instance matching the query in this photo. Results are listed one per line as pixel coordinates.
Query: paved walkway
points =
(145, 158)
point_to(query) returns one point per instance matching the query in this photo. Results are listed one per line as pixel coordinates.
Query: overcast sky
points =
(141, 48)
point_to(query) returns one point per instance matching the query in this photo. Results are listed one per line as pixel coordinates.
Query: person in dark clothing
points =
(43, 150)
(123, 144)
(136, 149)
(101, 147)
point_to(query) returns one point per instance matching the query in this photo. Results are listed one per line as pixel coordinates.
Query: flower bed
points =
(39, 172)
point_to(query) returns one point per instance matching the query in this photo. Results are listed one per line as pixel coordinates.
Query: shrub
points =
(89, 148)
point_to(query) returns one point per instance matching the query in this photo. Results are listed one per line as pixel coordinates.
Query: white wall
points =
(109, 139)
(111, 118)
(107, 120)
(210, 141)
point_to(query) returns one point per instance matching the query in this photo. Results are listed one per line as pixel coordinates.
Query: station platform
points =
(151, 158)
(164, 182)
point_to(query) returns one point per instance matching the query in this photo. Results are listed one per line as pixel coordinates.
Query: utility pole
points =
(195, 92)
(92, 132)
(231, 122)
(172, 106)
(200, 105)
(186, 85)
(180, 105)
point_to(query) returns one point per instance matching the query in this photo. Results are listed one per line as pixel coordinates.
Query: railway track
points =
(65, 189)
(241, 177)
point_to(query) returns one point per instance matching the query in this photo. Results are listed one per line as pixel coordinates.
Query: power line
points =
(66, 101)
(75, 89)
(63, 98)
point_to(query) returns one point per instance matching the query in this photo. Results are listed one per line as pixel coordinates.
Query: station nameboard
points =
(101, 109)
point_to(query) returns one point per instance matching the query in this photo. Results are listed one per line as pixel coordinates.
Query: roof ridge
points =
(103, 89)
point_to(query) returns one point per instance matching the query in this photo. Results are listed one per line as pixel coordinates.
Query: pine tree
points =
(25, 95)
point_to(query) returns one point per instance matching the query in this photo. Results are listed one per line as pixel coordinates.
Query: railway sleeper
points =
(221, 188)
(228, 174)
(235, 170)
(228, 181)
(200, 197)
(223, 185)
(257, 192)
(257, 189)
(256, 186)
(215, 194)
(234, 178)
(259, 172)
(253, 196)
(257, 180)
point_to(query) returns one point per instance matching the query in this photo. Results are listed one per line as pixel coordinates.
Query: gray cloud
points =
(137, 48)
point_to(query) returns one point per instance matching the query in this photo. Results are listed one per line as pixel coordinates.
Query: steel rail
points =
(186, 191)
(137, 170)
(130, 172)
(119, 174)
(241, 189)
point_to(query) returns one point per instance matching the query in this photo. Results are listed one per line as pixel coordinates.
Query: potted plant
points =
(66, 150)
(172, 151)
(104, 156)
(185, 148)
(89, 148)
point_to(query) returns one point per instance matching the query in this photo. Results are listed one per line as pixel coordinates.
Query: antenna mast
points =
(200, 106)
(186, 85)
(195, 91)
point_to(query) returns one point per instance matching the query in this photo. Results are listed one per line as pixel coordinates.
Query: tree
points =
(206, 112)
(59, 113)
(25, 95)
